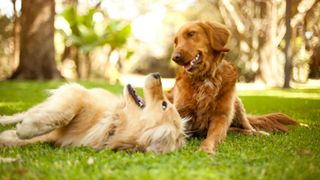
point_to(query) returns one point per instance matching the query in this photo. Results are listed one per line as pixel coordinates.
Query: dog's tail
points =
(276, 122)
(14, 119)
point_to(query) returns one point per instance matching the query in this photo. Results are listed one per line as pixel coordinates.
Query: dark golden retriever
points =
(204, 89)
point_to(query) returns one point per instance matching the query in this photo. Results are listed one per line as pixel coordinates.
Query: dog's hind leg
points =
(10, 138)
(246, 131)
(241, 116)
(242, 119)
(57, 111)
(16, 118)
(43, 122)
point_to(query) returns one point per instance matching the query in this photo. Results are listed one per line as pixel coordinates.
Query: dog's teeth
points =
(198, 58)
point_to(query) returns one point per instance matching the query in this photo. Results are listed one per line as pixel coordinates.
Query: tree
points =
(37, 61)
(267, 56)
(16, 35)
(288, 50)
(86, 36)
(259, 29)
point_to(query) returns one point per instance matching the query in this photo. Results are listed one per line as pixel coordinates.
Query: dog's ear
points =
(160, 139)
(128, 145)
(218, 35)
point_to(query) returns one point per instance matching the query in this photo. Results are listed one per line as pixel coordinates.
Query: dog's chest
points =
(199, 102)
(205, 95)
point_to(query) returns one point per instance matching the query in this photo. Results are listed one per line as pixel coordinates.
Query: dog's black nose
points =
(176, 57)
(156, 75)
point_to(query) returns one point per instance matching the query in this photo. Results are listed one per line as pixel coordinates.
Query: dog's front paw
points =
(28, 129)
(206, 147)
(25, 130)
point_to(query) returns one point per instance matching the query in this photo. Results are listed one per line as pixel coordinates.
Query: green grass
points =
(295, 155)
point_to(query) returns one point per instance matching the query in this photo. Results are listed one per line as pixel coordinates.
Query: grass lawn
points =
(295, 155)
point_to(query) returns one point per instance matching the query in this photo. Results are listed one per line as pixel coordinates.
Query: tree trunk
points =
(87, 61)
(76, 59)
(314, 63)
(268, 71)
(16, 36)
(288, 50)
(37, 60)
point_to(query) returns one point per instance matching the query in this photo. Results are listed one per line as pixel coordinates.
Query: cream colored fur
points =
(76, 116)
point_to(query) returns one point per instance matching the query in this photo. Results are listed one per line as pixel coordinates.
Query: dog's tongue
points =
(187, 67)
(137, 99)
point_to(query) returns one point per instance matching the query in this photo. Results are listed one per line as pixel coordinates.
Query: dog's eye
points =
(164, 105)
(191, 33)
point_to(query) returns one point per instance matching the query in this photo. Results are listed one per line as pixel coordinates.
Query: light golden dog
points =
(205, 87)
(75, 116)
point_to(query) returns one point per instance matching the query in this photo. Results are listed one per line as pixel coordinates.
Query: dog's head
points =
(161, 128)
(198, 43)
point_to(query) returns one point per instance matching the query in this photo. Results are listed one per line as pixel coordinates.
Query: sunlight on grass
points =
(293, 93)
(11, 104)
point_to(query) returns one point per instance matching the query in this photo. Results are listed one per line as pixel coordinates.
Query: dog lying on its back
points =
(75, 116)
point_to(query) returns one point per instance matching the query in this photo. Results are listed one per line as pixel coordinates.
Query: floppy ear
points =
(218, 35)
(128, 145)
(160, 139)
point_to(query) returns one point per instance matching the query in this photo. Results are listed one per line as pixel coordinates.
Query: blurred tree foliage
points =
(86, 35)
(258, 29)
(91, 43)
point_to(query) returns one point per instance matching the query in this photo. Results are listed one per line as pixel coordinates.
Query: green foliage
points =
(295, 155)
(117, 35)
(87, 35)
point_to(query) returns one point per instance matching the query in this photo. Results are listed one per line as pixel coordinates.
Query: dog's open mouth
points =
(191, 65)
(137, 99)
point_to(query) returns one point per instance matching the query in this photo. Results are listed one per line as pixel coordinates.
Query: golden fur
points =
(76, 116)
(205, 87)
